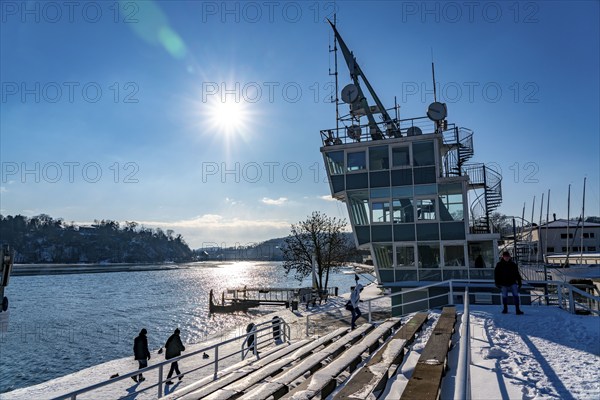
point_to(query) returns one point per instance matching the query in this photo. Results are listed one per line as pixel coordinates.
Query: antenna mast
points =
(337, 102)
(433, 77)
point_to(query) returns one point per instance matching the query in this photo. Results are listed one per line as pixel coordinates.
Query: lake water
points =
(59, 324)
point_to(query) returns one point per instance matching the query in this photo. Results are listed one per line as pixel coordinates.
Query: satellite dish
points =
(349, 94)
(437, 111)
(354, 132)
(414, 131)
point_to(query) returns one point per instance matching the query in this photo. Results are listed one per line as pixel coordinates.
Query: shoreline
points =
(99, 372)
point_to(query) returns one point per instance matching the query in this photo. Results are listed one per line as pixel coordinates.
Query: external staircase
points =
(458, 143)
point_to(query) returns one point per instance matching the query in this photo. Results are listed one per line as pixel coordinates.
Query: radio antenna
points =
(433, 76)
(335, 74)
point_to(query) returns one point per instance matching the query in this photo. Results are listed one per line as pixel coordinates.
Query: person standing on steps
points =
(141, 353)
(354, 300)
(507, 277)
(173, 348)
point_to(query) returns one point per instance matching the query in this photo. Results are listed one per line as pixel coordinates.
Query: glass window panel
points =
(426, 189)
(426, 209)
(357, 181)
(402, 191)
(403, 210)
(379, 158)
(401, 177)
(381, 211)
(406, 275)
(428, 231)
(424, 175)
(452, 230)
(383, 255)
(380, 193)
(404, 232)
(386, 275)
(356, 161)
(429, 256)
(337, 182)
(429, 275)
(400, 156)
(358, 203)
(380, 179)
(454, 256)
(363, 234)
(423, 153)
(451, 202)
(381, 233)
(405, 256)
(335, 162)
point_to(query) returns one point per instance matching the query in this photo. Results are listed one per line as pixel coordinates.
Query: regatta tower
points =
(413, 198)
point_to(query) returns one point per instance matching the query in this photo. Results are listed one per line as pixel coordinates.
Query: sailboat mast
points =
(530, 236)
(539, 252)
(547, 222)
(568, 223)
(582, 223)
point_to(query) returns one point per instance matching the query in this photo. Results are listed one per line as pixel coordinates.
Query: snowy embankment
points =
(104, 371)
(545, 354)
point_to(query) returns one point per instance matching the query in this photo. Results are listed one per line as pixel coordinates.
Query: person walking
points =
(354, 300)
(173, 348)
(507, 277)
(141, 353)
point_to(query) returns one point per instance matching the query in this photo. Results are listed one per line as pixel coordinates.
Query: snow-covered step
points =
(236, 372)
(274, 367)
(373, 377)
(279, 385)
(323, 382)
(426, 379)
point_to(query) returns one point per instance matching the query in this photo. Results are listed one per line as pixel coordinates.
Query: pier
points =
(242, 299)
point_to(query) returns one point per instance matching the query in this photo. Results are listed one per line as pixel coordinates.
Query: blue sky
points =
(204, 117)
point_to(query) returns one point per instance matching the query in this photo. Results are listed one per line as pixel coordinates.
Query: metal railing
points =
(462, 388)
(569, 298)
(262, 339)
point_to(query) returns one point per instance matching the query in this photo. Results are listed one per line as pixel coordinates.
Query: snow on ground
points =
(545, 354)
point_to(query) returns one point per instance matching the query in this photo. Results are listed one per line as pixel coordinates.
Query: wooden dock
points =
(242, 299)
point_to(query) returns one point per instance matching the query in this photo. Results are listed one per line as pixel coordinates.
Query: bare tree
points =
(322, 236)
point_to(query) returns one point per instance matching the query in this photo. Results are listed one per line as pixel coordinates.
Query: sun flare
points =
(229, 117)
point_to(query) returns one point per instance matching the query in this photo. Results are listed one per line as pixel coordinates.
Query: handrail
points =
(462, 388)
(267, 325)
(571, 302)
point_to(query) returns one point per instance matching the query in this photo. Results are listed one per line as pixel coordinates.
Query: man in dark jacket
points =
(141, 353)
(507, 277)
(173, 348)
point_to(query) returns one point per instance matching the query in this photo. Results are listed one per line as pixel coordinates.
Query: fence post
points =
(370, 311)
(571, 302)
(160, 379)
(559, 290)
(451, 294)
(216, 361)
(307, 325)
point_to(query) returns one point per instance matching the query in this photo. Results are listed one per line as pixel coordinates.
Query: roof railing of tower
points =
(353, 131)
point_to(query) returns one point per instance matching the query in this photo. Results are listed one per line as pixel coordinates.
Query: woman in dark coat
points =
(141, 353)
(173, 348)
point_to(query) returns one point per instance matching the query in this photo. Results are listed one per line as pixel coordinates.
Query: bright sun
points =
(228, 117)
